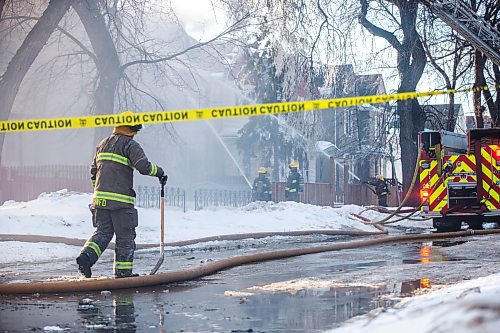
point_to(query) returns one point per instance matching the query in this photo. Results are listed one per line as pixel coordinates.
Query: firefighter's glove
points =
(163, 179)
(448, 167)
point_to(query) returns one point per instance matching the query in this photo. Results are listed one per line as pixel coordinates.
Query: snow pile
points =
(66, 214)
(471, 306)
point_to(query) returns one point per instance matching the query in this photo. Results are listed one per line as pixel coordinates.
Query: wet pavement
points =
(310, 293)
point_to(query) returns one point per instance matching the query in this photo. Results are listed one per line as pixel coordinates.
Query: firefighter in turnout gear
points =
(112, 207)
(294, 183)
(261, 189)
(381, 189)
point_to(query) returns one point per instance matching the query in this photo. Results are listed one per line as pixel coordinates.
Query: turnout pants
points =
(292, 196)
(382, 200)
(119, 222)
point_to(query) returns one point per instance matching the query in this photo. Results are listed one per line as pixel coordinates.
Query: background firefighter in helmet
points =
(261, 189)
(294, 183)
(113, 200)
(381, 189)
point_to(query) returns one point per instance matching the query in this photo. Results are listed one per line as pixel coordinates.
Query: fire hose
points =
(229, 237)
(99, 284)
(387, 219)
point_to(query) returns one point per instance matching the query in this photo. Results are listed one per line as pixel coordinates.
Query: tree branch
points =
(230, 29)
(375, 30)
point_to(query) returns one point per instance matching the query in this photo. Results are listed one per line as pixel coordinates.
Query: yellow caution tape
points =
(208, 113)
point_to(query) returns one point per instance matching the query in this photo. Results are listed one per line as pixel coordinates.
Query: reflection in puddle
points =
(430, 253)
(409, 287)
(101, 317)
(306, 310)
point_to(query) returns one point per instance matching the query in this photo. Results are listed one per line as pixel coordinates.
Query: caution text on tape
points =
(204, 114)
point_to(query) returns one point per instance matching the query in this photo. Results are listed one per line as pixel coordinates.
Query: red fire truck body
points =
(459, 177)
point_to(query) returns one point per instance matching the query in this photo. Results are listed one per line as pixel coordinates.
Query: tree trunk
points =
(108, 63)
(496, 116)
(276, 162)
(479, 62)
(411, 123)
(411, 63)
(2, 4)
(21, 62)
(450, 121)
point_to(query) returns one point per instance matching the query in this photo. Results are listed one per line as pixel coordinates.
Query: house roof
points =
(347, 83)
(436, 115)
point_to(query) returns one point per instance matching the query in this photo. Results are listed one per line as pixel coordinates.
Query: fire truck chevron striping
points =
(491, 176)
(450, 168)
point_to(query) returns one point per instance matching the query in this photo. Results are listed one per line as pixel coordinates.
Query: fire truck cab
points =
(459, 178)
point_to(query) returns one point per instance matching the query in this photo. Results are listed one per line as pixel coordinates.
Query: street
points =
(310, 293)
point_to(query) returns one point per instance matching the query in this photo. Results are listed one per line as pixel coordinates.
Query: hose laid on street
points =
(99, 284)
(229, 237)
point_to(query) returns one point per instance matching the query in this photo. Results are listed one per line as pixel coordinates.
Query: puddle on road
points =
(430, 253)
(289, 306)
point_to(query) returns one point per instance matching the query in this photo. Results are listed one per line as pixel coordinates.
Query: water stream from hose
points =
(228, 152)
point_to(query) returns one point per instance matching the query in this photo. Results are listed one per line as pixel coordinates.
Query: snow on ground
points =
(66, 214)
(470, 307)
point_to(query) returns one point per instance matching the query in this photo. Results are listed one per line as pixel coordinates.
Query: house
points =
(357, 132)
(437, 114)
(470, 122)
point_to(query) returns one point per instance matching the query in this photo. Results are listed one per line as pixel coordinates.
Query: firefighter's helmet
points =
(262, 170)
(135, 127)
(294, 165)
(380, 177)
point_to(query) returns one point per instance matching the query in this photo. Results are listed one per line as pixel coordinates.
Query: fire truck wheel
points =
(475, 223)
(447, 224)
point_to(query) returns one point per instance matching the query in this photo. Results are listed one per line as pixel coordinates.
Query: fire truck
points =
(459, 178)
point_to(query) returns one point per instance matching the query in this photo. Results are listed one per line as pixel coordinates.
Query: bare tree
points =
(106, 56)
(411, 61)
(21, 62)
(489, 10)
(120, 49)
(125, 52)
(449, 56)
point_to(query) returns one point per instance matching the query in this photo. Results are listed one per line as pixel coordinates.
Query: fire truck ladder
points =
(461, 18)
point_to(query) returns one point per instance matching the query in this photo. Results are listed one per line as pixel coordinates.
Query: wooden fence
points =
(28, 182)
(322, 194)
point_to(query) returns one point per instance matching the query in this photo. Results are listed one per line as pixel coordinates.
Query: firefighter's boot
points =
(84, 265)
(125, 275)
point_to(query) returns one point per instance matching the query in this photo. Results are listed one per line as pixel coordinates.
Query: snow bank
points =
(470, 307)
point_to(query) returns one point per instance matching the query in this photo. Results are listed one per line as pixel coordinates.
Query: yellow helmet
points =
(380, 177)
(135, 127)
(294, 165)
(262, 170)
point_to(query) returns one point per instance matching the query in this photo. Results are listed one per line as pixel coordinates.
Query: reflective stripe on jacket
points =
(112, 171)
